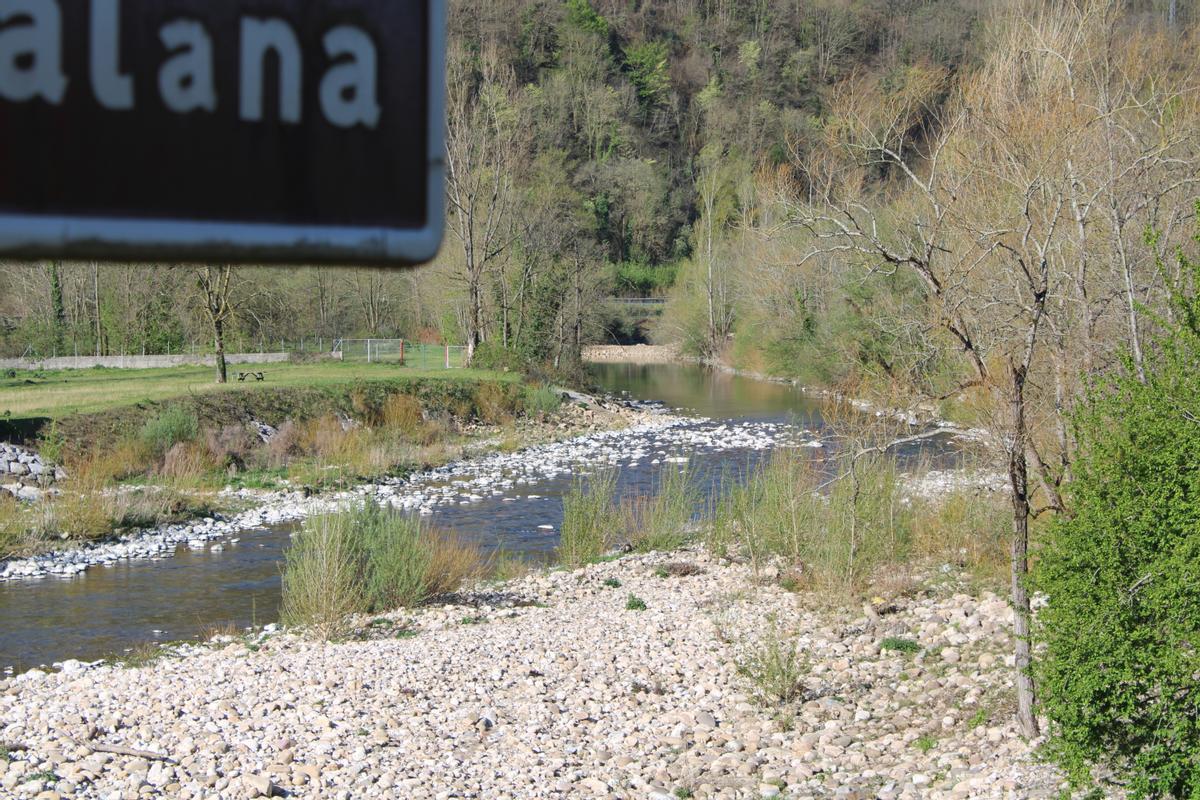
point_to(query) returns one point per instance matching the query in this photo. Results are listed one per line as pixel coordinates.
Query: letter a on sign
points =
(296, 131)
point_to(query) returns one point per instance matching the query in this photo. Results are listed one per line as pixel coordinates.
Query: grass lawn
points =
(62, 393)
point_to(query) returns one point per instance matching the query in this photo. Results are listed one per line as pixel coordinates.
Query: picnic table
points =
(258, 376)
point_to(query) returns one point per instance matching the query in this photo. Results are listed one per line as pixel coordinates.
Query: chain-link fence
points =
(399, 351)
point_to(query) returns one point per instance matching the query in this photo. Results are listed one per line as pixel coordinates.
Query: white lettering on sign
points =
(31, 51)
(186, 79)
(260, 37)
(112, 89)
(31, 65)
(352, 75)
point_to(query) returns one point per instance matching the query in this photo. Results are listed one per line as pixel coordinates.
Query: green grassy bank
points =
(336, 424)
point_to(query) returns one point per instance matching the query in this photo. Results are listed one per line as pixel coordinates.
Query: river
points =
(735, 423)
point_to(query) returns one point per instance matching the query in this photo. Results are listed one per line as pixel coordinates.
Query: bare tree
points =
(371, 289)
(716, 196)
(1007, 203)
(482, 151)
(214, 285)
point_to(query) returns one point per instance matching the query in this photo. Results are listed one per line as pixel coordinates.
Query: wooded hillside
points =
(596, 148)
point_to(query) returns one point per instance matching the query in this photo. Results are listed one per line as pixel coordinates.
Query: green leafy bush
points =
(899, 645)
(632, 277)
(582, 15)
(647, 65)
(172, 426)
(1122, 571)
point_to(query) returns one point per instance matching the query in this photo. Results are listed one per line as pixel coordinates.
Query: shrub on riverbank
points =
(541, 401)
(369, 559)
(173, 425)
(661, 522)
(1122, 571)
(322, 577)
(838, 530)
(591, 520)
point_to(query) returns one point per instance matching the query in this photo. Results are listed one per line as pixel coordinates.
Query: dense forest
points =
(596, 149)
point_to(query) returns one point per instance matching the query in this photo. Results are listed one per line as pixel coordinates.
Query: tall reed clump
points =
(836, 530)
(370, 559)
(322, 576)
(660, 523)
(591, 519)
(968, 528)
(542, 401)
(775, 513)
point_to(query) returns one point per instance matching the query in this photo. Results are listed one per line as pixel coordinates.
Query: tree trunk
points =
(58, 307)
(474, 318)
(96, 309)
(1018, 474)
(219, 342)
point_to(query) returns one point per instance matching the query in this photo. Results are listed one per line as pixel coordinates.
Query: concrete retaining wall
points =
(141, 362)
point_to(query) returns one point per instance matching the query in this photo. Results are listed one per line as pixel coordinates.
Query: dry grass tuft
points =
(967, 528)
(495, 404)
(128, 459)
(18, 526)
(454, 562)
(231, 446)
(403, 413)
(188, 462)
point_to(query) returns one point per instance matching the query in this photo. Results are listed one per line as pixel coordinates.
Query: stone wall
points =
(632, 354)
(140, 362)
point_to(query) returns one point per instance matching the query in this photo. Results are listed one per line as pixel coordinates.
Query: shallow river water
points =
(109, 609)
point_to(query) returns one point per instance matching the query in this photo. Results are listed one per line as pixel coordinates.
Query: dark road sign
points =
(231, 130)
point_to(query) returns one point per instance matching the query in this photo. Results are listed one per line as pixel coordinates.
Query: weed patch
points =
(898, 645)
(774, 669)
(173, 425)
(659, 523)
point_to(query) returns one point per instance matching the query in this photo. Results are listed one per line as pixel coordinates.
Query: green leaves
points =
(1122, 631)
(581, 15)
(647, 64)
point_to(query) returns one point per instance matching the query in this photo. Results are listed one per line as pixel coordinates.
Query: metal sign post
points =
(256, 131)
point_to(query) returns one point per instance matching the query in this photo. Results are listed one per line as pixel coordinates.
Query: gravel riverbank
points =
(552, 687)
(575, 434)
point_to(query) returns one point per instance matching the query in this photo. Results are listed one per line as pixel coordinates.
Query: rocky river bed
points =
(553, 686)
(653, 439)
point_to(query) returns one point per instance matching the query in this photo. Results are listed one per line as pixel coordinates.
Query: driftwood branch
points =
(116, 750)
